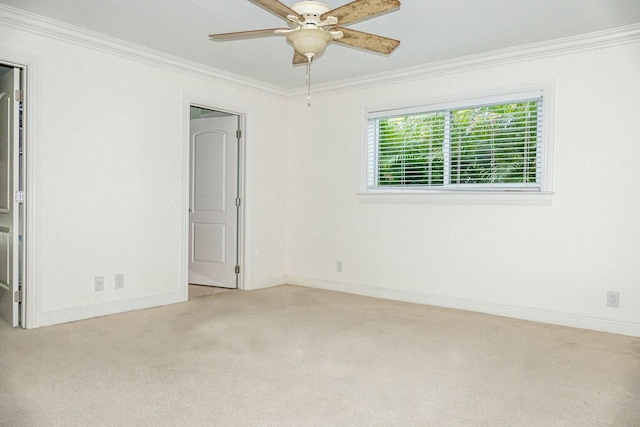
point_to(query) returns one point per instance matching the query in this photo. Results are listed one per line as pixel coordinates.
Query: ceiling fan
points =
(313, 25)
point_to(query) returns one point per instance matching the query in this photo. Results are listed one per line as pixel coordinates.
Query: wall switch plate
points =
(613, 299)
(339, 266)
(119, 281)
(98, 283)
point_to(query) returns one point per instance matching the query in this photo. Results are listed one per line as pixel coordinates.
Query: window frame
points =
(538, 194)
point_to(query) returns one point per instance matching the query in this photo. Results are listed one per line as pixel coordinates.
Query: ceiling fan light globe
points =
(309, 42)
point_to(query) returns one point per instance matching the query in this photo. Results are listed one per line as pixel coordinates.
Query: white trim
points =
(19, 19)
(460, 98)
(185, 165)
(72, 314)
(563, 46)
(459, 196)
(525, 198)
(243, 234)
(245, 153)
(476, 100)
(574, 320)
(53, 29)
(242, 194)
(31, 302)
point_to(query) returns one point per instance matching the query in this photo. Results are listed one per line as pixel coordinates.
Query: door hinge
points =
(19, 196)
(17, 296)
(19, 95)
(238, 134)
(237, 269)
(238, 201)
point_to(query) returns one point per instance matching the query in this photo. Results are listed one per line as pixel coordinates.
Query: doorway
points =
(214, 198)
(12, 181)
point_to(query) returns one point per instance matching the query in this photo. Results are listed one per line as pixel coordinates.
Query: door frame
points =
(28, 315)
(190, 101)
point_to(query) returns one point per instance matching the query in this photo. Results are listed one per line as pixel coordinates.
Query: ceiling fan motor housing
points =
(311, 10)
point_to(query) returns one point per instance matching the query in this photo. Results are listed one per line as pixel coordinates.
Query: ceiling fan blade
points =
(298, 58)
(361, 9)
(240, 35)
(277, 8)
(367, 41)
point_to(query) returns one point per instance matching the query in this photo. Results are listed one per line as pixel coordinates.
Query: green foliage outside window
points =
(494, 144)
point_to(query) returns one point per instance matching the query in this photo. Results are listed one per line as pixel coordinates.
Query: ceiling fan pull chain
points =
(309, 82)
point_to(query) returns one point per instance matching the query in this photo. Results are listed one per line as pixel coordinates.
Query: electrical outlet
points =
(98, 283)
(339, 266)
(119, 281)
(613, 299)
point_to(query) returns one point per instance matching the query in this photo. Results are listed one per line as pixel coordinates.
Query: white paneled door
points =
(213, 217)
(9, 199)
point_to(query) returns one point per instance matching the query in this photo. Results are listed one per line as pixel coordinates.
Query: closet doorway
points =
(12, 198)
(214, 197)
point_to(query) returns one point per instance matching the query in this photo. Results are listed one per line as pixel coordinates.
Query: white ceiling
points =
(430, 31)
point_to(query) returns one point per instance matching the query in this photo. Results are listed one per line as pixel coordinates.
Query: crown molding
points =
(563, 46)
(41, 26)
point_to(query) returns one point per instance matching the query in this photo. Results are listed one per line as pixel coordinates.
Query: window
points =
(488, 145)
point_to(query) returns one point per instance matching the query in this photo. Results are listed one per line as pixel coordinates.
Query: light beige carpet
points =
(197, 291)
(290, 356)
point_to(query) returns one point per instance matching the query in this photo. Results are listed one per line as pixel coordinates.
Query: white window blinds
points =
(487, 145)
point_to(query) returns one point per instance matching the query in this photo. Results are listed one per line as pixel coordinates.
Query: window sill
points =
(525, 198)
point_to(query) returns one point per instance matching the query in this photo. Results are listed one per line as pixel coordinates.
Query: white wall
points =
(107, 150)
(550, 263)
(107, 189)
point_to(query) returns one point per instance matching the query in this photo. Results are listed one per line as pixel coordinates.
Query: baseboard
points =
(268, 282)
(524, 313)
(72, 314)
(80, 313)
